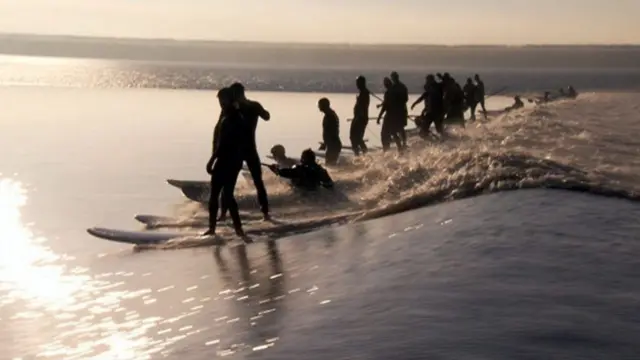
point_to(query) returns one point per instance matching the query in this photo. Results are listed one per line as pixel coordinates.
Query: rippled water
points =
(525, 274)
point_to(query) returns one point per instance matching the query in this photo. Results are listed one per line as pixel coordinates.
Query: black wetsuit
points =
(252, 111)
(454, 100)
(360, 121)
(480, 94)
(307, 177)
(331, 137)
(229, 153)
(392, 121)
(470, 96)
(433, 109)
(402, 98)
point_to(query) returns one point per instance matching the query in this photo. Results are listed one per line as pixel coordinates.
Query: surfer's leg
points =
(230, 200)
(224, 207)
(353, 136)
(484, 109)
(385, 135)
(362, 129)
(332, 154)
(217, 182)
(253, 162)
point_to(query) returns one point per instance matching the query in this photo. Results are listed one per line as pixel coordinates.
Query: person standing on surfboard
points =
(330, 131)
(252, 111)
(360, 117)
(226, 161)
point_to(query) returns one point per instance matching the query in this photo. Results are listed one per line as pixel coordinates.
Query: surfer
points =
(402, 98)
(226, 161)
(392, 118)
(360, 117)
(470, 97)
(517, 104)
(252, 111)
(453, 100)
(571, 92)
(330, 132)
(480, 94)
(433, 107)
(307, 175)
(280, 157)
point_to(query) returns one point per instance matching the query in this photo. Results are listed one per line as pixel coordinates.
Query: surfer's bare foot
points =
(266, 217)
(246, 239)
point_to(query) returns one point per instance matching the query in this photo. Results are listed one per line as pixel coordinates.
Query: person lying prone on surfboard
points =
(308, 174)
(279, 155)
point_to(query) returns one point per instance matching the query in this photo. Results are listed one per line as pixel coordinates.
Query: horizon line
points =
(308, 43)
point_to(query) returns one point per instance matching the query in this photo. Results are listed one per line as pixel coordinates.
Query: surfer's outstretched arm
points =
(325, 179)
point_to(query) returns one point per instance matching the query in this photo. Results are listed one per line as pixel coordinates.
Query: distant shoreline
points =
(304, 45)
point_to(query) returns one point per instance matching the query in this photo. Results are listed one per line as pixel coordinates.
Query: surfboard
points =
(187, 183)
(155, 221)
(138, 237)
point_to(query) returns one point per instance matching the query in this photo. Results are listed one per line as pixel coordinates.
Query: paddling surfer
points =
(330, 132)
(252, 111)
(360, 117)
(279, 155)
(307, 175)
(226, 161)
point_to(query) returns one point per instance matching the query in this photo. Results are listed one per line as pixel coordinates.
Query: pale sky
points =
(352, 21)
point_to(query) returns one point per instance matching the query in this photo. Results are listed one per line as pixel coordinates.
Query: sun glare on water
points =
(37, 288)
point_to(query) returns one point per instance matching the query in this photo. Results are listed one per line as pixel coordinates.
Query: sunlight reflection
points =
(29, 271)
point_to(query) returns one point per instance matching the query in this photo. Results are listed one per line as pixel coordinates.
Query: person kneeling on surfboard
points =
(308, 175)
(280, 157)
(226, 161)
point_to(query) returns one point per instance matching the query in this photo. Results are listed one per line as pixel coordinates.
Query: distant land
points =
(326, 55)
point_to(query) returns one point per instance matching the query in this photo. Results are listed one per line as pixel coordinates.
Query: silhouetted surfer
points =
(470, 96)
(360, 117)
(517, 104)
(453, 100)
(571, 92)
(226, 161)
(252, 111)
(402, 98)
(330, 132)
(307, 175)
(279, 155)
(392, 118)
(433, 107)
(480, 94)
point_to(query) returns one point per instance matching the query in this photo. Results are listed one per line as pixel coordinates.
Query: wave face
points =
(585, 145)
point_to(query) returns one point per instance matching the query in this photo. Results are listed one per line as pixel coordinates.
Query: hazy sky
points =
(355, 21)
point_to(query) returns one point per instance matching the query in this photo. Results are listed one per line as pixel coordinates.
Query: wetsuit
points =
(307, 177)
(228, 154)
(454, 100)
(331, 137)
(470, 93)
(251, 111)
(392, 121)
(402, 97)
(480, 94)
(434, 109)
(360, 121)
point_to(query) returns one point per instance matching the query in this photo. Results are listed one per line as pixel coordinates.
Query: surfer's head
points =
(238, 91)
(225, 97)
(278, 151)
(477, 77)
(395, 77)
(324, 104)
(387, 83)
(308, 157)
(361, 82)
